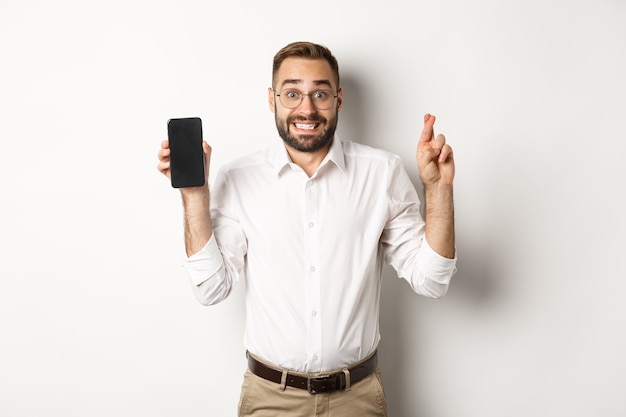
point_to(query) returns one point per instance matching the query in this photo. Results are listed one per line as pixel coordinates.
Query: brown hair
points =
(305, 50)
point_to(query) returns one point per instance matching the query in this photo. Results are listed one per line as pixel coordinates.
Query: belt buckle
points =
(312, 379)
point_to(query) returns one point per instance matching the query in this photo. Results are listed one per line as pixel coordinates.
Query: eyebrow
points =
(299, 81)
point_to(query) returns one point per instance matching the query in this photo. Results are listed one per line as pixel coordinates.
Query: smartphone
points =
(186, 153)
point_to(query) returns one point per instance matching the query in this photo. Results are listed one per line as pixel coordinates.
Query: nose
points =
(306, 105)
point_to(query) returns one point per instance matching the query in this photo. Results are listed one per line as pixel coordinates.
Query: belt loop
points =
(283, 381)
(346, 372)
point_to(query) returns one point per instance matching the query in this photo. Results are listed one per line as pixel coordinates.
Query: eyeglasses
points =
(321, 99)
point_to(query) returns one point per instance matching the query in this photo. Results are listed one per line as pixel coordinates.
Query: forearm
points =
(197, 218)
(439, 218)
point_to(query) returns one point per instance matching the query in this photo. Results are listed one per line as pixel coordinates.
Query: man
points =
(309, 223)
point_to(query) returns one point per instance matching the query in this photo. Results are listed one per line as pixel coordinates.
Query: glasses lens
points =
(321, 99)
(290, 98)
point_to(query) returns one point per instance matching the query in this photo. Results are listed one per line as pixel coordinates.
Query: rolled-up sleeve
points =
(204, 264)
(435, 266)
(406, 248)
(218, 266)
(210, 283)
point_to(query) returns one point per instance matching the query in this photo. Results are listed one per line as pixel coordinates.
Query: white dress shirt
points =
(312, 251)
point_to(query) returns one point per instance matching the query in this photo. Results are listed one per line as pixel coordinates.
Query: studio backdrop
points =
(96, 313)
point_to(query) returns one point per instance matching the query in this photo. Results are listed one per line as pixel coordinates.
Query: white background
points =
(96, 314)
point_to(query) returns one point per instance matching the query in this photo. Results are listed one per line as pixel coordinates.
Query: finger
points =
(164, 158)
(164, 154)
(164, 167)
(428, 130)
(206, 148)
(164, 151)
(439, 141)
(427, 155)
(446, 153)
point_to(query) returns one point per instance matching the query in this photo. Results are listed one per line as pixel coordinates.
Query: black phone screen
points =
(186, 154)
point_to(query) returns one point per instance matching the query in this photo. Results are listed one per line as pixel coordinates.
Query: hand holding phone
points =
(186, 153)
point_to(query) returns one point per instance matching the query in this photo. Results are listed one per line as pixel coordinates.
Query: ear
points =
(339, 98)
(271, 99)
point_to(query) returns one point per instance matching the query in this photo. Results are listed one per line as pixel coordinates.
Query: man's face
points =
(305, 127)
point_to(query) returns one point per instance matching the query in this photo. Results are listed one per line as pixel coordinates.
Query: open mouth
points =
(306, 126)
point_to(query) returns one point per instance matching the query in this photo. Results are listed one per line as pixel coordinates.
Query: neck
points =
(308, 161)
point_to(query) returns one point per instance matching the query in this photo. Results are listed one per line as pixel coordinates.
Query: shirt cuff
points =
(204, 264)
(436, 267)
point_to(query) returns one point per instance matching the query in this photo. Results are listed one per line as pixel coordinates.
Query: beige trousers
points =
(262, 398)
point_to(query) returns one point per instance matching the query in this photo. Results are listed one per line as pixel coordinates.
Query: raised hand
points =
(434, 156)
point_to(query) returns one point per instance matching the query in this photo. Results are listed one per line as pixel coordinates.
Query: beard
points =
(304, 142)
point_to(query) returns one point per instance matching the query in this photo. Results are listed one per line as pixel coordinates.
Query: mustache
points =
(312, 118)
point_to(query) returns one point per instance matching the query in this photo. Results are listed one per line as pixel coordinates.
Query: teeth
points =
(303, 126)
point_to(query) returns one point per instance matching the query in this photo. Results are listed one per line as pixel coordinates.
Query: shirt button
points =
(312, 269)
(314, 358)
(314, 313)
(311, 225)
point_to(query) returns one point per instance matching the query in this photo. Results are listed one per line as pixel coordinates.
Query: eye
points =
(320, 95)
(292, 94)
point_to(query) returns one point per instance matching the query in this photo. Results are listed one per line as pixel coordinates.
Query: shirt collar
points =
(280, 158)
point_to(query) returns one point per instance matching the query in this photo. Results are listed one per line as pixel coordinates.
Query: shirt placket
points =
(312, 271)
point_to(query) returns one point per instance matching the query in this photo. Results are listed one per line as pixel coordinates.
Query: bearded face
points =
(307, 133)
(306, 101)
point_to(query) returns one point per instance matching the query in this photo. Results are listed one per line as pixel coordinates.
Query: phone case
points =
(186, 153)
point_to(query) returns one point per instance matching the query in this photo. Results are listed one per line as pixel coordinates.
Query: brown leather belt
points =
(319, 383)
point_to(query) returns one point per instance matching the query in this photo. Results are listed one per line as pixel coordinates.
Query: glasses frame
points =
(333, 95)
